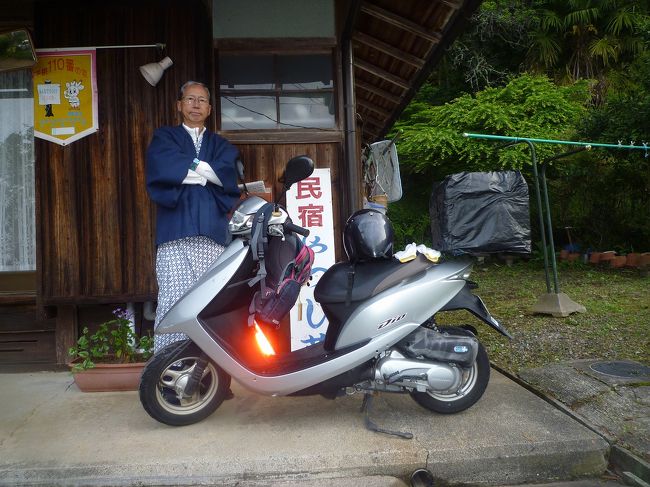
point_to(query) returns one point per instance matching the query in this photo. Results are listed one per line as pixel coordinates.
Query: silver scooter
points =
(381, 336)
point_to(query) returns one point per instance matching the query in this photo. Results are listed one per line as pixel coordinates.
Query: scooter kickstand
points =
(365, 407)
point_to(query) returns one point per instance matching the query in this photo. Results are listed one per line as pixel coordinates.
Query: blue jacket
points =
(186, 210)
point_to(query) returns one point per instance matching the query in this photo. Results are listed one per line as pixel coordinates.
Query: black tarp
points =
(480, 212)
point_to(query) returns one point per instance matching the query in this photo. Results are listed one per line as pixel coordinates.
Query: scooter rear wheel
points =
(475, 381)
(163, 382)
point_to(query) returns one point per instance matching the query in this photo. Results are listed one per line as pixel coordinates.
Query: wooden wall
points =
(95, 221)
(267, 161)
(26, 337)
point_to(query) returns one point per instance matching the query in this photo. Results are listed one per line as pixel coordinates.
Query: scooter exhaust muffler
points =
(396, 370)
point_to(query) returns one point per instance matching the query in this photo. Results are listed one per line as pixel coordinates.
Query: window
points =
(276, 91)
(17, 220)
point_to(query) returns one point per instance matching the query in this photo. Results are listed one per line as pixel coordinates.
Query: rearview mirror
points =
(297, 169)
(16, 50)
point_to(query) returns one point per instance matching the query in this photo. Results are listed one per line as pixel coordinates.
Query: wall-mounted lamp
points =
(152, 72)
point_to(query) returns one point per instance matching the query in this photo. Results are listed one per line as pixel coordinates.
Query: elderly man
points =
(191, 176)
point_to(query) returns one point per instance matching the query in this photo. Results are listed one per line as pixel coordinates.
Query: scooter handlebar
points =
(289, 226)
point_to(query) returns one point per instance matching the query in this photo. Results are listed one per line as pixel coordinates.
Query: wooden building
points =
(288, 77)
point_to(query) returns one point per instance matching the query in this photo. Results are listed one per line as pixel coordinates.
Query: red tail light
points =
(262, 342)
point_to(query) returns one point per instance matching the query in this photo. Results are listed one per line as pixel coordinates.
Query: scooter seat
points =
(370, 278)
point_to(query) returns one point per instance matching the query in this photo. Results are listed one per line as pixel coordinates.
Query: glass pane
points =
(17, 221)
(246, 72)
(272, 19)
(16, 50)
(308, 72)
(248, 112)
(312, 111)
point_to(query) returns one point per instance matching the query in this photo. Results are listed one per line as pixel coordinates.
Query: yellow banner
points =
(65, 95)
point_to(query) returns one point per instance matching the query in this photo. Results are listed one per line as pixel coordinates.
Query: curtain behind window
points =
(17, 221)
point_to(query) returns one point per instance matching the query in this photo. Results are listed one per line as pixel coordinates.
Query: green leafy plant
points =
(113, 342)
(432, 142)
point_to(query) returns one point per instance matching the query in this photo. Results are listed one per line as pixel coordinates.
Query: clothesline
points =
(620, 145)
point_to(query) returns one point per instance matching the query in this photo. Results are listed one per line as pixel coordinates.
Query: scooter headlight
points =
(240, 222)
(243, 216)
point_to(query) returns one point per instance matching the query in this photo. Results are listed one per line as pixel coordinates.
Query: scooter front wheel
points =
(475, 381)
(162, 386)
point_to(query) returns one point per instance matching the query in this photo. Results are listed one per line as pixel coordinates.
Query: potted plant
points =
(112, 358)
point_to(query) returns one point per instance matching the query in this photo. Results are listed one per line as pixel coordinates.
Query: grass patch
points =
(616, 325)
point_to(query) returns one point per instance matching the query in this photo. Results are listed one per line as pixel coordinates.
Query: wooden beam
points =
(382, 73)
(378, 91)
(400, 22)
(371, 107)
(373, 121)
(455, 4)
(369, 135)
(374, 43)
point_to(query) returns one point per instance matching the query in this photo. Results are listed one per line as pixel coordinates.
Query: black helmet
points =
(368, 235)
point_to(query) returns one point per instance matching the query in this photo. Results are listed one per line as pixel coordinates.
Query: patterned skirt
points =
(179, 264)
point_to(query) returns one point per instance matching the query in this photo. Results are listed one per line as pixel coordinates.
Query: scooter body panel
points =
(414, 300)
(182, 315)
(285, 384)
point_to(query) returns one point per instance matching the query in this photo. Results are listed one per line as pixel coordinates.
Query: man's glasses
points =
(190, 100)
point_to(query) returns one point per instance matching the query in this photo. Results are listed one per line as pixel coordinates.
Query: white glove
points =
(411, 250)
(204, 169)
(432, 255)
(194, 178)
(409, 253)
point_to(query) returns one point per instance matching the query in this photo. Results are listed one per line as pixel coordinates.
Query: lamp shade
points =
(152, 72)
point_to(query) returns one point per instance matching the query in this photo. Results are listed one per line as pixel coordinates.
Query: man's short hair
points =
(187, 84)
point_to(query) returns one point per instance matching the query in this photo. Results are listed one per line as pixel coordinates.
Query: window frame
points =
(23, 280)
(255, 49)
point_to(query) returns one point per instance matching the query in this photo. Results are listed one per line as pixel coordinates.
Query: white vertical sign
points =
(309, 204)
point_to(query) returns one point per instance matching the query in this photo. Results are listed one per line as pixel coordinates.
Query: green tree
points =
(432, 139)
(491, 50)
(432, 145)
(582, 39)
(606, 195)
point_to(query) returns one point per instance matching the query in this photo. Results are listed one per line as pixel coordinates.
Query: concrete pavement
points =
(51, 434)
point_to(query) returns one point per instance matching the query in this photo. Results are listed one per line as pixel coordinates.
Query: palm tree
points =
(583, 38)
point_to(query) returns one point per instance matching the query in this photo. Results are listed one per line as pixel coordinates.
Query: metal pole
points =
(62, 49)
(550, 229)
(542, 230)
(350, 128)
(644, 145)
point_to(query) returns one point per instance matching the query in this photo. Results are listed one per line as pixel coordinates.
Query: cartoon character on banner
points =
(71, 93)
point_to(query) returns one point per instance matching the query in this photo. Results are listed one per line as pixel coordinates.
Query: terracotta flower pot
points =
(607, 256)
(618, 261)
(632, 259)
(594, 257)
(644, 260)
(110, 377)
(573, 257)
